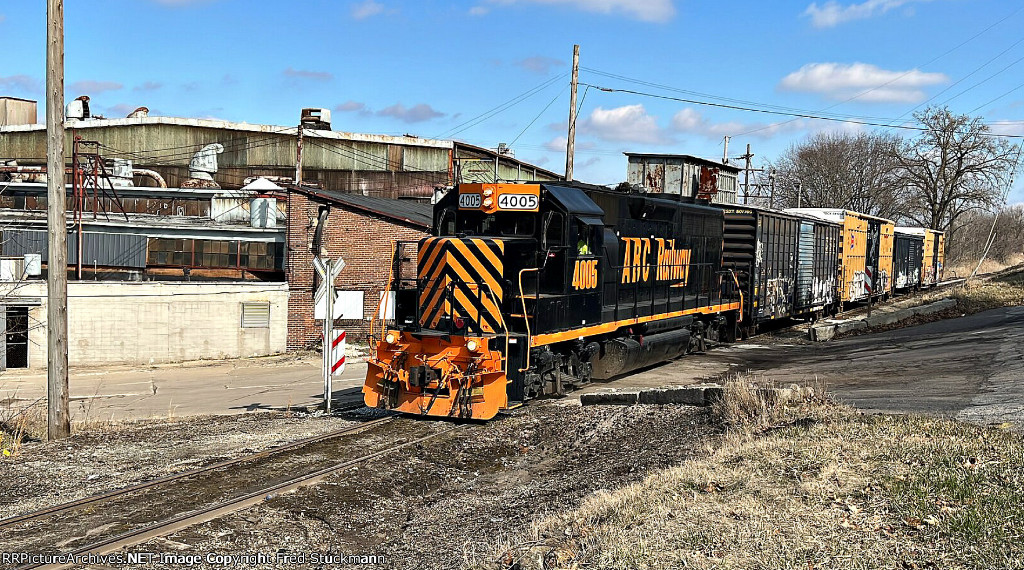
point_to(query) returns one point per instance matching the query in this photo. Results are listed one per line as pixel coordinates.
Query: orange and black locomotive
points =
(526, 290)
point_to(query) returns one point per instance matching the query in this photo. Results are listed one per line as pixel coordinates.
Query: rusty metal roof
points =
(686, 157)
(414, 213)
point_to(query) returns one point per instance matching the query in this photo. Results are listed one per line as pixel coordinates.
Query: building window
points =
(15, 337)
(256, 315)
(216, 254)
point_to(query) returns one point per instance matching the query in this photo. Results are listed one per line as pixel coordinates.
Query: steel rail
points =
(205, 514)
(104, 497)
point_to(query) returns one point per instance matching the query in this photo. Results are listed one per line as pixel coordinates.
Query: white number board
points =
(469, 201)
(517, 202)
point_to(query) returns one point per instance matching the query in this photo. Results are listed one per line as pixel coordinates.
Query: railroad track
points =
(105, 497)
(137, 532)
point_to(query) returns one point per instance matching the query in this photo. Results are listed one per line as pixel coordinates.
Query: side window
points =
(446, 225)
(587, 238)
(554, 229)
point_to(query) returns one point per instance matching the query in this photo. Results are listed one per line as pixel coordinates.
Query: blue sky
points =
(428, 67)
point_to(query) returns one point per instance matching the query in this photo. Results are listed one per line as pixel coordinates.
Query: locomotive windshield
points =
(506, 224)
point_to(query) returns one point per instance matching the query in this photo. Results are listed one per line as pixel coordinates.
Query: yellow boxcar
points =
(865, 254)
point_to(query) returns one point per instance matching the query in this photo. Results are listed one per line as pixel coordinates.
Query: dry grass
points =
(809, 484)
(965, 268)
(18, 425)
(1005, 290)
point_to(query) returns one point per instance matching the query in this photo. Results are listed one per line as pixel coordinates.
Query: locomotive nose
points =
(461, 285)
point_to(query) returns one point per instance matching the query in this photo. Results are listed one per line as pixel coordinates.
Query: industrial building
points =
(189, 239)
(372, 165)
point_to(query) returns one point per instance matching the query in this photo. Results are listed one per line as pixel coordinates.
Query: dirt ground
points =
(121, 454)
(436, 505)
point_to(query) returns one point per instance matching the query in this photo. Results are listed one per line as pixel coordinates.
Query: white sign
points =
(517, 202)
(387, 306)
(347, 305)
(469, 200)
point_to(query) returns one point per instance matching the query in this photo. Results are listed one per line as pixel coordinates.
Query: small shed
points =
(680, 174)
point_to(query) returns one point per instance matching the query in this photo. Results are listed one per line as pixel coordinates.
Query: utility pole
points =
(746, 175)
(725, 151)
(58, 423)
(570, 146)
(799, 195)
(298, 156)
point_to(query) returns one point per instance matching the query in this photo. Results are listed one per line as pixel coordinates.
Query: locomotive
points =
(529, 290)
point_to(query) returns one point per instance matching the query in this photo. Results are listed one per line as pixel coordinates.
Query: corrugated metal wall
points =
(106, 250)
(672, 175)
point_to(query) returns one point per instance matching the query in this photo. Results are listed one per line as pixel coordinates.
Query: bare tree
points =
(954, 166)
(842, 170)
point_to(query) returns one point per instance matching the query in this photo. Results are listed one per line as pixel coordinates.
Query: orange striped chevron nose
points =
(461, 279)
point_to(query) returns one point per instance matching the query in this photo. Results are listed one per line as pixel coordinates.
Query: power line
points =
(542, 111)
(783, 113)
(500, 108)
(926, 64)
(961, 80)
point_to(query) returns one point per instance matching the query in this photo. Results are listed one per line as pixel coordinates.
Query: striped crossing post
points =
(328, 272)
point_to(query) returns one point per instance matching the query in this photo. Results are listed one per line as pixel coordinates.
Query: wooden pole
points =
(746, 175)
(298, 155)
(57, 416)
(570, 146)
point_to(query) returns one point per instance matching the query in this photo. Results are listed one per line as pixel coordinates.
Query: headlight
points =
(390, 338)
(472, 345)
(488, 191)
(488, 202)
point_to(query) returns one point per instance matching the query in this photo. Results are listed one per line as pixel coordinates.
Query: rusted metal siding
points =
(368, 167)
(676, 175)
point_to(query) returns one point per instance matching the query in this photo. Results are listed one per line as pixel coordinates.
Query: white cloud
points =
(690, 121)
(833, 13)
(629, 123)
(841, 81)
(557, 144)
(148, 86)
(415, 114)
(366, 9)
(307, 74)
(539, 64)
(22, 83)
(91, 86)
(478, 10)
(643, 10)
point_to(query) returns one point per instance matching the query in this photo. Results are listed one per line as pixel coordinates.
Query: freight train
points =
(528, 290)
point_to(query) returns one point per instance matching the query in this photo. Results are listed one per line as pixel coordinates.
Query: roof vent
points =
(318, 119)
(78, 109)
(139, 113)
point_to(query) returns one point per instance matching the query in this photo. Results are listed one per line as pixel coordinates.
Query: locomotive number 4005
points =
(517, 202)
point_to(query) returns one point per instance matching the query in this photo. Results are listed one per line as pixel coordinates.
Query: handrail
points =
(391, 277)
(736, 280)
(526, 317)
(501, 317)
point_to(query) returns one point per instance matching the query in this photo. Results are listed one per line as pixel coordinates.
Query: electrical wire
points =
(784, 113)
(461, 127)
(542, 111)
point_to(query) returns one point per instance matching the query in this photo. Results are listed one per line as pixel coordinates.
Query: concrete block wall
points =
(363, 240)
(156, 322)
